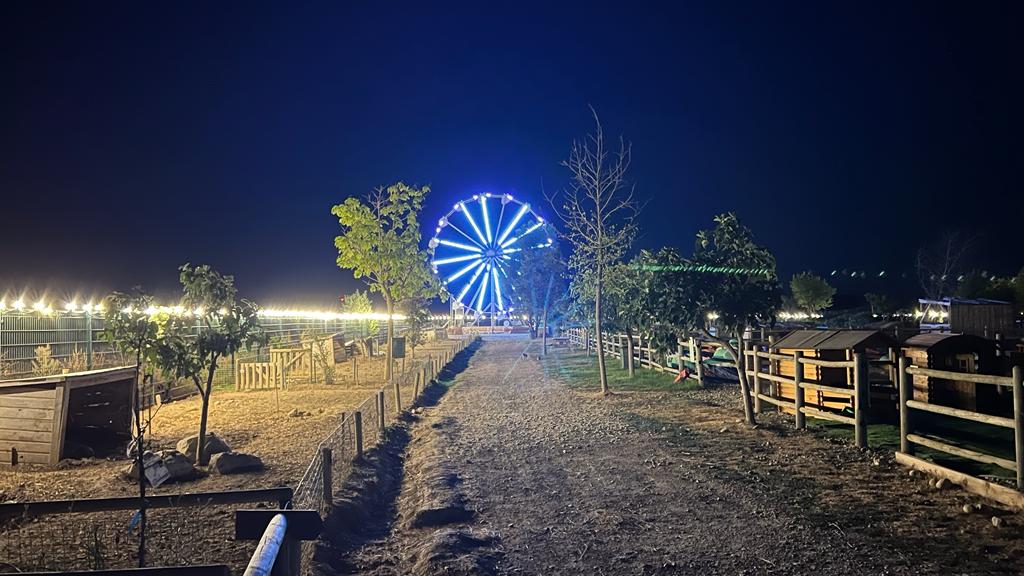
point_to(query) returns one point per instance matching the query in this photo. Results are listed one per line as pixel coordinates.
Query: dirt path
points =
(525, 476)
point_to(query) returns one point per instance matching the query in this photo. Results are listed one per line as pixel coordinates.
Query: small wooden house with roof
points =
(828, 345)
(42, 419)
(957, 353)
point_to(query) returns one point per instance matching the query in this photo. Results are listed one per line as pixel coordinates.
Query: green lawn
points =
(580, 372)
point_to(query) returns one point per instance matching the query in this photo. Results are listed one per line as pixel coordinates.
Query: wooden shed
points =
(973, 316)
(827, 345)
(957, 353)
(44, 419)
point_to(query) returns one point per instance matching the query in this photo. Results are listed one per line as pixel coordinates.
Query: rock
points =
(997, 521)
(942, 484)
(214, 445)
(296, 413)
(179, 466)
(724, 429)
(967, 508)
(914, 473)
(235, 463)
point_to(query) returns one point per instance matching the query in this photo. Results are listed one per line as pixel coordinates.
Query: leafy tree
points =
(879, 303)
(625, 307)
(976, 284)
(359, 302)
(220, 325)
(811, 293)
(598, 215)
(539, 288)
(379, 243)
(130, 327)
(730, 282)
(417, 319)
(1018, 288)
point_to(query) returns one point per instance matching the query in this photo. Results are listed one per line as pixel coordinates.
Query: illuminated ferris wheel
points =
(475, 248)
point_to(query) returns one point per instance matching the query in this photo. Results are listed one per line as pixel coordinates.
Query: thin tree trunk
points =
(389, 369)
(602, 373)
(741, 370)
(544, 334)
(202, 458)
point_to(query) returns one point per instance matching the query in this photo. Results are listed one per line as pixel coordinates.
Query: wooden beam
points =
(825, 415)
(983, 488)
(935, 444)
(964, 414)
(962, 376)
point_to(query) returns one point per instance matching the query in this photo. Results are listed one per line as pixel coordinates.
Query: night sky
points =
(138, 136)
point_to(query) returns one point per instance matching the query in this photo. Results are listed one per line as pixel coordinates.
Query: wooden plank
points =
(827, 363)
(962, 376)
(958, 413)
(24, 447)
(63, 402)
(26, 413)
(26, 424)
(23, 436)
(830, 389)
(774, 356)
(17, 401)
(983, 488)
(825, 415)
(24, 457)
(936, 444)
(775, 401)
(29, 392)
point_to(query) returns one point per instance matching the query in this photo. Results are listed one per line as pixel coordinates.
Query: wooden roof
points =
(830, 339)
(75, 379)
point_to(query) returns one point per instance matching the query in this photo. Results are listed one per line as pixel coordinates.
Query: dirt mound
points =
(456, 551)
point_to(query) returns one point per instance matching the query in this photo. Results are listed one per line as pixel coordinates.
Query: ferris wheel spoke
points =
(481, 291)
(464, 270)
(497, 287)
(501, 215)
(454, 259)
(472, 223)
(487, 218)
(511, 225)
(514, 239)
(481, 266)
(468, 237)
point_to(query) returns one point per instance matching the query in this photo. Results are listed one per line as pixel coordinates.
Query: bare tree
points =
(939, 264)
(598, 214)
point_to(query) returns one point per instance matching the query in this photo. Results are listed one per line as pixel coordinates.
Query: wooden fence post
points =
(398, 396)
(798, 391)
(861, 392)
(355, 370)
(773, 386)
(622, 353)
(586, 341)
(327, 467)
(756, 365)
(906, 389)
(695, 356)
(359, 435)
(1018, 419)
(380, 411)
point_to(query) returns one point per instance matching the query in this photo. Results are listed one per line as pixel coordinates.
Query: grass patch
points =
(579, 372)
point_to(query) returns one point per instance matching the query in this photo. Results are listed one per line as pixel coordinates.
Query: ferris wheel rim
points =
(486, 250)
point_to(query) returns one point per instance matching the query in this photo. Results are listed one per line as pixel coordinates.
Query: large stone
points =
(214, 445)
(235, 463)
(179, 466)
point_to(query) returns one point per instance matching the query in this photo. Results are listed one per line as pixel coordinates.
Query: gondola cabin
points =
(827, 345)
(957, 353)
(43, 420)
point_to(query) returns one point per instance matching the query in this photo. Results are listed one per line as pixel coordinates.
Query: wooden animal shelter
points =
(835, 345)
(43, 420)
(963, 353)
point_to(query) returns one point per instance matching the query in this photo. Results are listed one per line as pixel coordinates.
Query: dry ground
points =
(562, 482)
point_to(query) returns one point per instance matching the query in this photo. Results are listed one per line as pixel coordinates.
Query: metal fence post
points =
(798, 391)
(1018, 420)
(359, 434)
(905, 393)
(861, 391)
(88, 340)
(327, 467)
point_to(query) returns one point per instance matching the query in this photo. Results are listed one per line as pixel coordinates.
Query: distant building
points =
(973, 316)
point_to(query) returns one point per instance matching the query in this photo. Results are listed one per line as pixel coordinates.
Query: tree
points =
(625, 305)
(130, 327)
(379, 243)
(417, 319)
(598, 215)
(879, 303)
(811, 293)
(359, 302)
(730, 282)
(976, 284)
(1018, 288)
(538, 287)
(191, 345)
(939, 264)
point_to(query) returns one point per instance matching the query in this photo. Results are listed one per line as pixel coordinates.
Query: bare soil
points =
(539, 479)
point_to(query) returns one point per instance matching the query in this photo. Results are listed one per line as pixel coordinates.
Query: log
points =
(825, 415)
(958, 413)
(827, 363)
(830, 389)
(963, 376)
(985, 489)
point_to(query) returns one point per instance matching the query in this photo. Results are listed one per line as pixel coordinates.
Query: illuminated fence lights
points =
(708, 269)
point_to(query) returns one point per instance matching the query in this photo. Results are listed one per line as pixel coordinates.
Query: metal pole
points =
(88, 340)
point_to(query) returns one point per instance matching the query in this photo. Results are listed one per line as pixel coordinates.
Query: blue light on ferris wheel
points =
(471, 259)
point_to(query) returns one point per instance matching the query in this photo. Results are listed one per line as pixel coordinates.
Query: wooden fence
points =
(618, 345)
(909, 439)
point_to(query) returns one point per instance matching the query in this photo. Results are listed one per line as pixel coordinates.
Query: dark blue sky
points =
(139, 136)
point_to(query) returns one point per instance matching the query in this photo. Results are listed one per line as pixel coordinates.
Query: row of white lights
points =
(42, 307)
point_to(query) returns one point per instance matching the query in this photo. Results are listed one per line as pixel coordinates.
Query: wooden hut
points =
(956, 353)
(974, 316)
(42, 420)
(827, 345)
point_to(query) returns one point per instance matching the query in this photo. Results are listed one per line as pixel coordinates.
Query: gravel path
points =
(566, 483)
